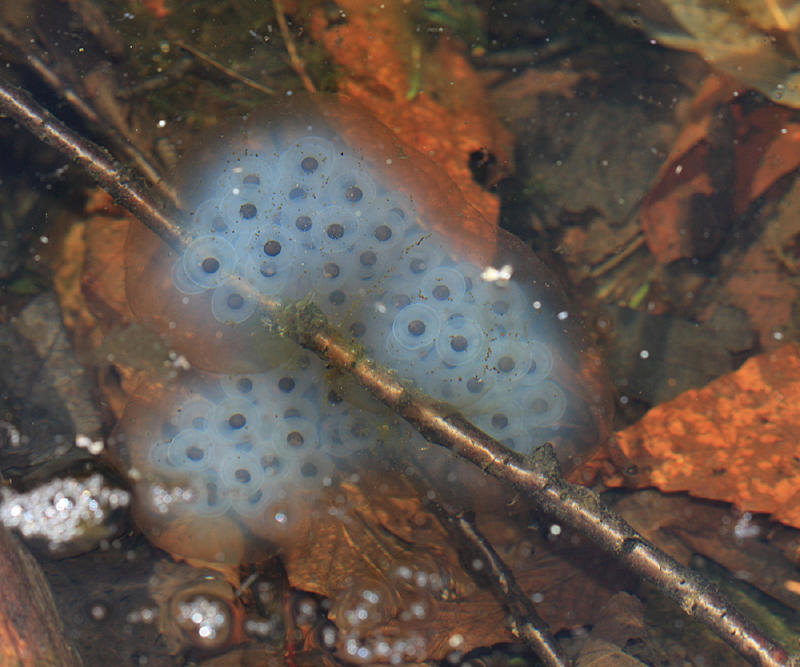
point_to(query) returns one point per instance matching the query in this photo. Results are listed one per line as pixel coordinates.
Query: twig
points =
(526, 624)
(291, 49)
(488, 570)
(538, 476)
(161, 219)
(612, 262)
(25, 53)
(233, 74)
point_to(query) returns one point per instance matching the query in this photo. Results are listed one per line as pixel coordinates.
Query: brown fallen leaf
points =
(673, 209)
(767, 148)
(702, 183)
(387, 543)
(763, 290)
(600, 653)
(88, 272)
(735, 440)
(741, 543)
(381, 56)
(674, 213)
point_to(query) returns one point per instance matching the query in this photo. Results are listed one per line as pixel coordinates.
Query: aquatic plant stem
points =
(538, 476)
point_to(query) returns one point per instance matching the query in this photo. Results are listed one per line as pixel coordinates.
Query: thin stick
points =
(488, 570)
(633, 245)
(114, 136)
(95, 161)
(233, 74)
(538, 477)
(525, 622)
(294, 57)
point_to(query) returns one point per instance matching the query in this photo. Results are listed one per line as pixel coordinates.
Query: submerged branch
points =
(524, 621)
(538, 477)
(160, 218)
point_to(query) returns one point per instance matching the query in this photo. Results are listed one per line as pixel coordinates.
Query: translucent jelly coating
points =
(310, 214)
(255, 451)
(392, 256)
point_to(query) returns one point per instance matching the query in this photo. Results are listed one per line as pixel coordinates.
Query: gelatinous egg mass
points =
(324, 205)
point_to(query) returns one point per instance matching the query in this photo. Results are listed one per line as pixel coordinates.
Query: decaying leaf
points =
(781, 237)
(754, 41)
(30, 628)
(726, 157)
(599, 653)
(89, 272)
(766, 150)
(735, 440)
(764, 292)
(683, 214)
(388, 550)
(385, 65)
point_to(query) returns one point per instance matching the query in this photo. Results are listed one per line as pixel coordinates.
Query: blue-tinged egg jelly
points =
(325, 204)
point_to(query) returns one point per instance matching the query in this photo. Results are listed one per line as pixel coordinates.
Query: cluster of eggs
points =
(297, 211)
(247, 442)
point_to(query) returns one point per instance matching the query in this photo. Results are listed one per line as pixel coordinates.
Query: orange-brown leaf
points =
(763, 290)
(735, 440)
(768, 150)
(668, 208)
(449, 118)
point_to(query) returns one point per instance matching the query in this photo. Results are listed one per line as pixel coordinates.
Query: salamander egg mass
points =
(326, 204)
